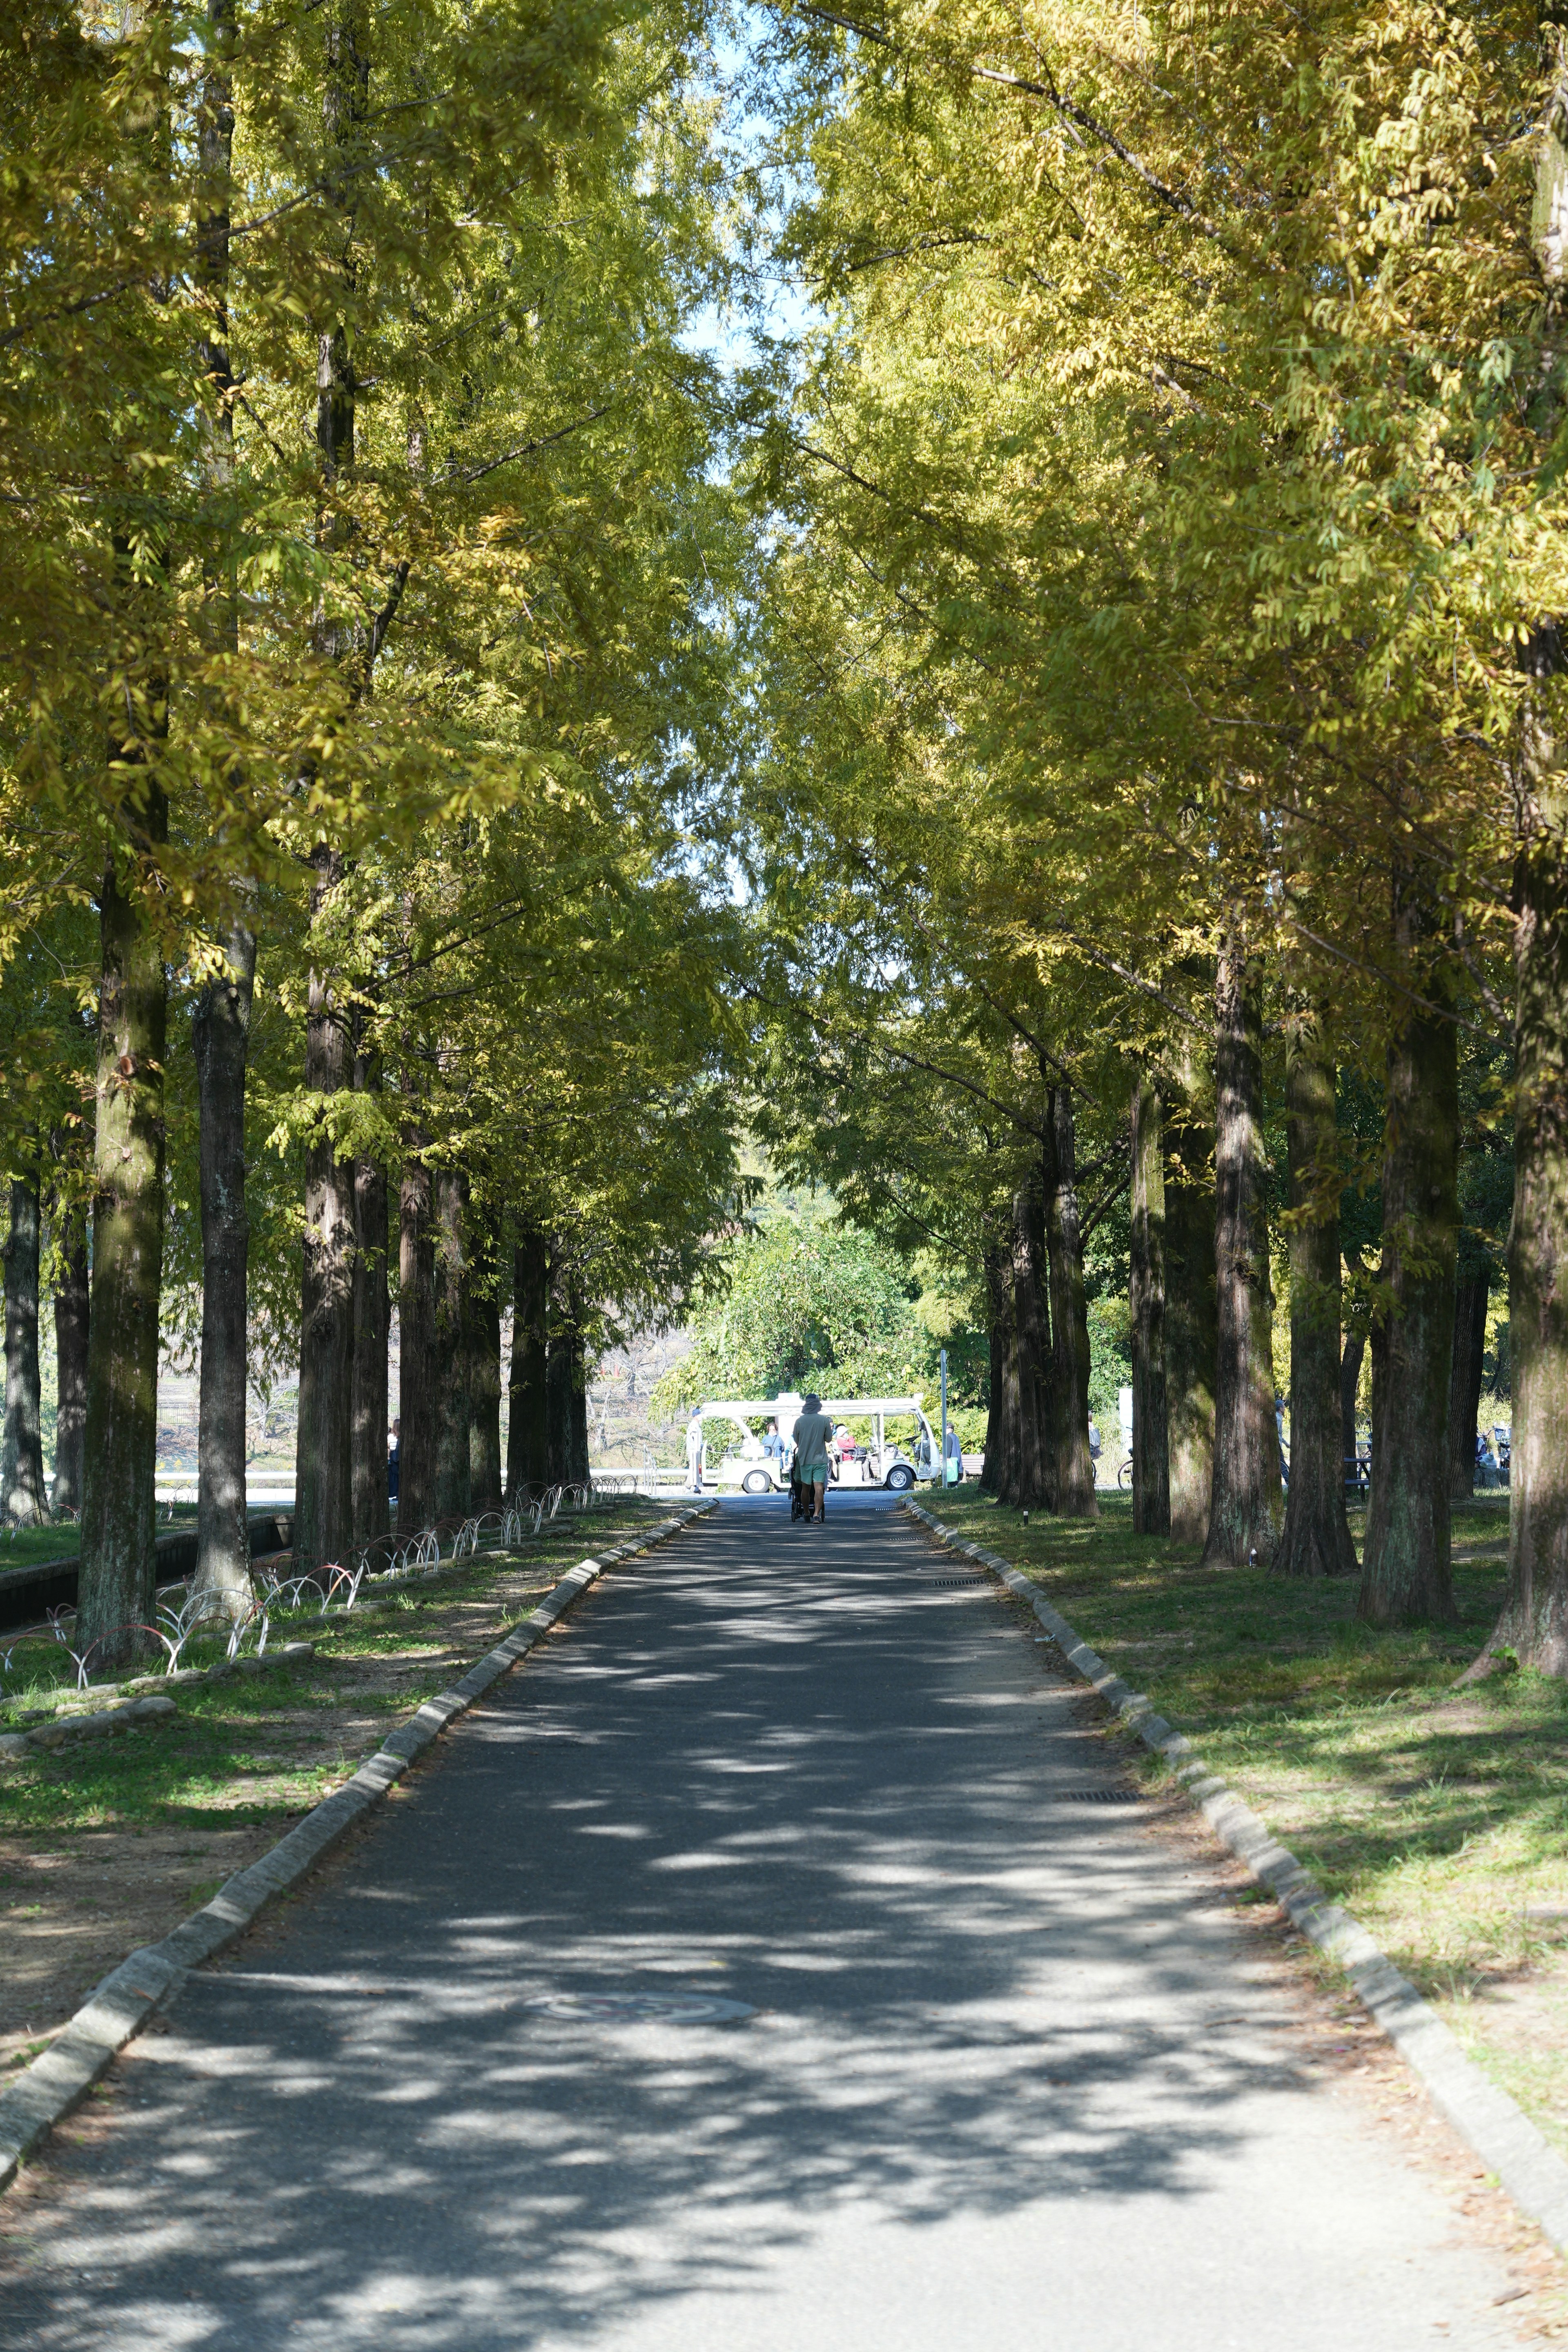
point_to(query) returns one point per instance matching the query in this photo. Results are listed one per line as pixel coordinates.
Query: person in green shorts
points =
(811, 1433)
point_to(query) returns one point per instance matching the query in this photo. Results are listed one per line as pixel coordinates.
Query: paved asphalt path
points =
(1009, 2077)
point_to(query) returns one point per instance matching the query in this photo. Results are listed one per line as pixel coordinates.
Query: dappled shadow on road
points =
(798, 1770)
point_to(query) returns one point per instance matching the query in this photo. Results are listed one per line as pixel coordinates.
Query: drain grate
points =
(946, 1583)
(1100, 1797)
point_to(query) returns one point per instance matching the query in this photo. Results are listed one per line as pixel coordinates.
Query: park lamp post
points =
(944, 1363)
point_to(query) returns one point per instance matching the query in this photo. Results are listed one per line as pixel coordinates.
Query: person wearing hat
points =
(812, 1434)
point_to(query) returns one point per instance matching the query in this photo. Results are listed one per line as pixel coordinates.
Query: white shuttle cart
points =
(894, 1459)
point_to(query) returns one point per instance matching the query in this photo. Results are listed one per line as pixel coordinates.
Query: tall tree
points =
(1406, 1570)
(1245, 1500)
(221, 1035)
(1150, 1454)
(1316, 1537)
(527, 1445)
(22, 1464)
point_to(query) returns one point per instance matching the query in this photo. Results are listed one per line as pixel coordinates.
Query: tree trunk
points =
(1350, 1362)
(579, 1470)
(220, 1033)
(221, 1024)
(1535, 1615)
(1035, 1480)
(372, 1320)
(992, 1472)
(324, 1495)
(116, 1585)
(1316, 1538)
(527, 1450)
(558, 1379)
(416, 1408)
(1074, 1482)
(1146, 1299)
(72, 1325)
(483, 1351)
(1407, 1577)
(452, 1487)
(22, 1457)
(1244, 1506)
(1470, 1297)
(1191, 1329)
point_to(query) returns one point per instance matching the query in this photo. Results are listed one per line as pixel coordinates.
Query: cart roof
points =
(783, 1407)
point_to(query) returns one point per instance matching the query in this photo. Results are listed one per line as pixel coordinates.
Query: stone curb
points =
(1499, 2130)
(117, 2010)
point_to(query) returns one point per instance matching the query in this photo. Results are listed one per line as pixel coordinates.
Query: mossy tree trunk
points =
(1146, 1299)
(1245, 1502)
(1316, 1537)
(1406, 1573)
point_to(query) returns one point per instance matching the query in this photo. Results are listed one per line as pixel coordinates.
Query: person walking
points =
(812, 1433)
(694, 1452)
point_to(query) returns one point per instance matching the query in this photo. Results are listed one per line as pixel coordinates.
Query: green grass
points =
(204, 1766)
(1440, 1817)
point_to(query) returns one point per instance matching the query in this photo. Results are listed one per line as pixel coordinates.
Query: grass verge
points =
(1438, 1816)
(108, 1845)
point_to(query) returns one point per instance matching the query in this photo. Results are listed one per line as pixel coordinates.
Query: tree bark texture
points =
(1245, 1502)
(72, 1326)
(1191, 1324)
(527, 1452)
(373, 1321)
(416, 1375)
(1146, 1299)
(998, 1313)
(577, 1457)
(483, 1352)
(115, 1586)
(1535, 1615)
(558, 1377)
(220, 1033)
(1316, 1537)
(22, 1456)
(1407, 1577)
(323, 1498)
(1472, 1291)
(1035, 1482)
(1075, 1495)
(452, 1481)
